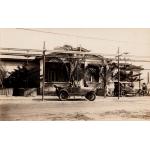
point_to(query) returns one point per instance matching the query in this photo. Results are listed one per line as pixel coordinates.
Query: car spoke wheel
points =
(63, 95)
(90, 96)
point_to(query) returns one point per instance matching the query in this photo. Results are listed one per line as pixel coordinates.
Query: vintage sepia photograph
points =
(72, 74)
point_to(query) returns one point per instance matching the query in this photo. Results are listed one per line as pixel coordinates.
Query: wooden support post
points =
(118, 74)
(105, 73)
(43, 81)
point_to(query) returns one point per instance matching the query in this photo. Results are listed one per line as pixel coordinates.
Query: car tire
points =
(90, 96)
(63, 95)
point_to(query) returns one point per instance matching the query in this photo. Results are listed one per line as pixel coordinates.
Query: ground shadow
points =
(57, 99)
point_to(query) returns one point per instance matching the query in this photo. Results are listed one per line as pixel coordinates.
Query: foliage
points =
(70, 48)
(107, 72)
(3, 75)
(23, 77)
(127, 74)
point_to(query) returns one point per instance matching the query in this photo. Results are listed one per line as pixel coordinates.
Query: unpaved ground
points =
(129, 108)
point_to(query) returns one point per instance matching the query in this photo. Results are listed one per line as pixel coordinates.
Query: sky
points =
(135, 41)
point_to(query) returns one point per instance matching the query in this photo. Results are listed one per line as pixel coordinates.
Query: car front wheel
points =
(63, 95)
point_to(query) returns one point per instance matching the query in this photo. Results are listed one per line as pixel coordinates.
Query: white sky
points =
(135, 41)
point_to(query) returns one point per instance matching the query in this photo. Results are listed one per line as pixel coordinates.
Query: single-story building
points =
(25, 71)
(61, 66)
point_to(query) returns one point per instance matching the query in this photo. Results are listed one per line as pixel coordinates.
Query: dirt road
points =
(130, 108)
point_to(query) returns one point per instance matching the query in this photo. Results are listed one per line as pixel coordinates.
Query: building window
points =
(51, 76)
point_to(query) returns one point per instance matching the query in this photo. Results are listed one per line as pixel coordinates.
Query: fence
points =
(6, 91)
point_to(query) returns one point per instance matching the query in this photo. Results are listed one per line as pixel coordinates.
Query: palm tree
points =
(106, 74)
(3, 75)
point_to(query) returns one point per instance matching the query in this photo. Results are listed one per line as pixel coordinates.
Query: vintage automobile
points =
(65, 92)
(128, 89)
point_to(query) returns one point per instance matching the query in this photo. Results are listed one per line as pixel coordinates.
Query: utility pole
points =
(147, 77)
(118, 74)
(27, 63)
(43, 81)
(105, 72)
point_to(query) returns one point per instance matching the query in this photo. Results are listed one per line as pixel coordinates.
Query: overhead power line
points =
(80, 36)
(64, 34)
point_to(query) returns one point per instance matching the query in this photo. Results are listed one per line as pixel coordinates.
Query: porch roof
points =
(85, 56)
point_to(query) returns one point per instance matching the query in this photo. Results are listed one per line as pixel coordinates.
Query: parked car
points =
(65, 92)
(128, 89)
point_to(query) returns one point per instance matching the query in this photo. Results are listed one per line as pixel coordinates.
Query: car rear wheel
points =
(90, 96)
(63, 95)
